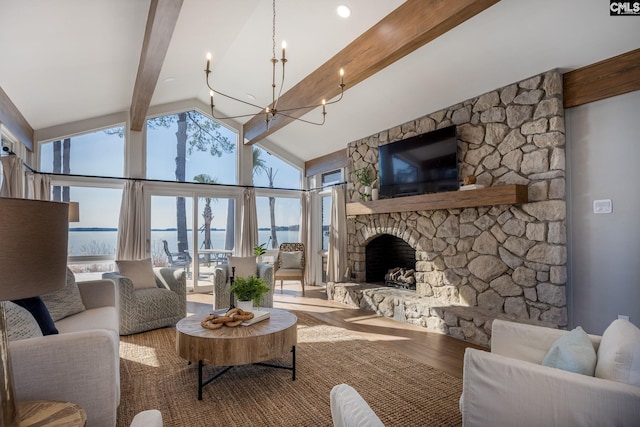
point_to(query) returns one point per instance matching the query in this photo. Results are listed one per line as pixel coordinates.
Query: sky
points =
(101, 154)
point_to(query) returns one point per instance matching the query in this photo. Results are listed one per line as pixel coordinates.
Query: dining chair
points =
(290, 264)
(177, 259)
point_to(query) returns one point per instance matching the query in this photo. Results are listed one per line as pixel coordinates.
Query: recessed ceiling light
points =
(344, 11)
(169, 79)
(251, 97)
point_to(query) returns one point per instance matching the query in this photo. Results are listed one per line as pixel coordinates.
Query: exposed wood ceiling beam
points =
(613, 76)
(13, 119)
(163, 15)
(410, 26)
(329, 162)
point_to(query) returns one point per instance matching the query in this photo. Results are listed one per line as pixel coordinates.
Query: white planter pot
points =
(367, 189)
(245, 305)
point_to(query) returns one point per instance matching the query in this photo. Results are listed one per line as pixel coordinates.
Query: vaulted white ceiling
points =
(68, 60)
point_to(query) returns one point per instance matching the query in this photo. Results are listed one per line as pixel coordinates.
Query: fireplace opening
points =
(386, 253)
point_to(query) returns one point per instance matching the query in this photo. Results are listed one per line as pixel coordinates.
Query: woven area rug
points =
(400, 390)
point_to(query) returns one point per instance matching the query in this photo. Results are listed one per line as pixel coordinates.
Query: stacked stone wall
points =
(506, 259)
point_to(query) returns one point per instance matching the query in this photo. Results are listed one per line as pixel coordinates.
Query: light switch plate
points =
(602, 206)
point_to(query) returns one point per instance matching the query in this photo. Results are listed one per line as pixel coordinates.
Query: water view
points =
(102, 242)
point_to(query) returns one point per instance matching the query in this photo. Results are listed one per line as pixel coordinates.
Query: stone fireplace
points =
(476, 264)
(387, 252)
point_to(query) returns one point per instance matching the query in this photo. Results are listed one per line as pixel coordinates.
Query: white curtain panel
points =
(132, 228)
(307, 200)
(337, 258)
(249, 226)
(12, 177)
(38, 186)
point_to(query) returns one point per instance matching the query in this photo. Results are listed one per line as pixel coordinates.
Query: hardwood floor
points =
(440, 351)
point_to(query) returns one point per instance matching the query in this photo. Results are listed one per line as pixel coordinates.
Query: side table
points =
(49, 413)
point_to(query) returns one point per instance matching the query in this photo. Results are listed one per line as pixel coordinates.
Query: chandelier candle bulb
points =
(284, 47)
(341, 76)
(208, 62)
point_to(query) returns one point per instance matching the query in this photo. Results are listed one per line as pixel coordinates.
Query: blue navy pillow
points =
(39, 311)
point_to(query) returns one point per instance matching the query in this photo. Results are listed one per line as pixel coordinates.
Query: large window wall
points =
(189, 159)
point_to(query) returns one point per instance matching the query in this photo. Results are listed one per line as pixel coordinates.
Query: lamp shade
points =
(33, 248)
(74, 212)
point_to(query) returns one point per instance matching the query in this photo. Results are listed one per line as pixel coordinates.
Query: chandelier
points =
(272, 110)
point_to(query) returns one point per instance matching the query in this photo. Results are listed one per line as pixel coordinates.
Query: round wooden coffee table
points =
(240, 345)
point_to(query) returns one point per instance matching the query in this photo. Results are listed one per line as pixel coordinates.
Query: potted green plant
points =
(363, 175)
(251, 289)
(259, 250)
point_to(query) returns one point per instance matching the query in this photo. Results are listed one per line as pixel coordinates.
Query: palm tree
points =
(259, 165)
(271, 176)
(207, 215)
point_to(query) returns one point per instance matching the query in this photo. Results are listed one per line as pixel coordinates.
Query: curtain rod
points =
(181, 182)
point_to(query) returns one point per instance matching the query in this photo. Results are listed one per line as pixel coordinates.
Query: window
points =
(8, 140)
(183, 146)
(169, 223)
(327, 179)
(331, 178)
(96, 234)
(278, 220)
(172, 221)
(98, 153)
(273, 172)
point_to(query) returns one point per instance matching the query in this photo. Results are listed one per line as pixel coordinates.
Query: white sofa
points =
(81, 364)
(509, 387)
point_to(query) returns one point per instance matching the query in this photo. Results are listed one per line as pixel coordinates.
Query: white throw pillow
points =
(619, 353)
(572, 352)
(245, 266)
(291, 259)
(20, 323)
(66, 301)
(140, 272)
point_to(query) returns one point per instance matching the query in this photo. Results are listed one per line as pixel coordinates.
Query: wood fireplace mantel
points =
(499, 195)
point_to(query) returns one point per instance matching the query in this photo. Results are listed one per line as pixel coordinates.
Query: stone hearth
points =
(471, 324)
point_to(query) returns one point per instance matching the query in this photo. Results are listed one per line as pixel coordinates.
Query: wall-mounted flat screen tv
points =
(426, 163)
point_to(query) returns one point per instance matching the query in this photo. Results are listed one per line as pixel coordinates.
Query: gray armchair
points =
(221, 285)
(145, 309)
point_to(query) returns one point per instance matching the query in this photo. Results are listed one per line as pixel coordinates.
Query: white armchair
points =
(509, 386)
(221, 285)
(349, 409)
